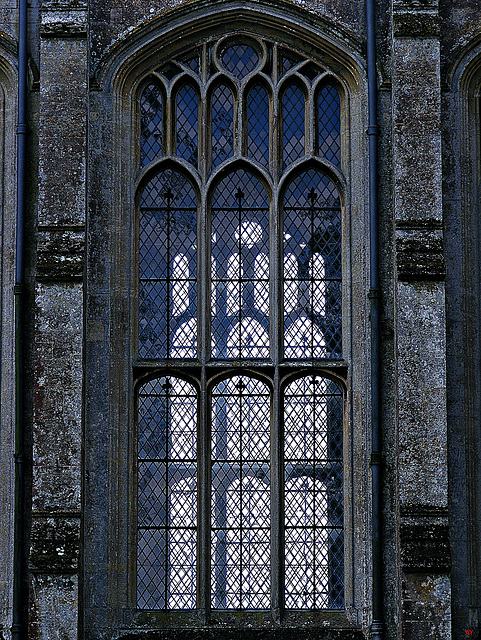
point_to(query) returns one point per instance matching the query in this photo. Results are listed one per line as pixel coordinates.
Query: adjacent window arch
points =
(240, 292)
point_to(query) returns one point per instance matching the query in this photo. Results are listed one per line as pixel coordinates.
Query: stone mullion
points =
(421, 325)
(58, 354)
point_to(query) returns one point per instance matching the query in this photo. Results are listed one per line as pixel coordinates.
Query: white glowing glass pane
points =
(234, 291)
(306, 543)
(318, 287)
(248, 234)
(184, 344)
(180, 288)
(183, 503)
(182, 574)
(261, 289)
(303, 339)
(183, 419)
(247, 584)
(316, 267)
(291, 284)
(309, 439)
(254, 340)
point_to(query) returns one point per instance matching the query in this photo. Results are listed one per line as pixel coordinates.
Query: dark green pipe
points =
(19, 628)
(375, 302)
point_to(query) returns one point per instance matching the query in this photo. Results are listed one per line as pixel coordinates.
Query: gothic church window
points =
(239, 416)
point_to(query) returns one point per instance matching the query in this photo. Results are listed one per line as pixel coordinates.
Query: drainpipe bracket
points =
(377, 630)
(373, 130)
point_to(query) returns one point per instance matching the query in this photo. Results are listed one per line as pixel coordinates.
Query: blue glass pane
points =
(222, 124)
(293, 117)
(187, 124)
(151, 124)
(240, 60)
(329, 142)
(258, 124)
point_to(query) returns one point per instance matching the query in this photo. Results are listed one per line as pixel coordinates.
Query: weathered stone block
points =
(62, 122)
(63, 23)
(416, 25)
(426, 604)
(53, 613)
(417, 172)
(57, 397)
(60, 255)
(422, 439)
(425, 547)
(415, 5)
(55, 544)
(420, 255)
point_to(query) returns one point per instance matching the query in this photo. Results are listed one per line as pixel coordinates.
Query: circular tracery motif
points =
(239, 60)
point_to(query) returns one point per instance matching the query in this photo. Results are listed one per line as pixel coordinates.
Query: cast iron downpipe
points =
(19, 568)
(374, 298)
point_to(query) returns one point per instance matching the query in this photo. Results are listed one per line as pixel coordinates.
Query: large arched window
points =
(240, 500)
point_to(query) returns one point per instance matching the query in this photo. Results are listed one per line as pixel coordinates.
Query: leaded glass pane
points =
(293, 124)
(222, 124)
(312, 268)
(151, 124)
(329, 123)
(187, 123)
(167, 495)
(289, 60)
(240, 274)
(258, 124)
(168, 268)
(313, 522)
(240, 60)
(240, 556)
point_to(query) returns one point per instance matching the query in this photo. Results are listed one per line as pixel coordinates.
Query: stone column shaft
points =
(420, 323)
(57, 428)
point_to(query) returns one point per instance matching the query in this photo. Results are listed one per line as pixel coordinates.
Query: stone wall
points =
(429, 217)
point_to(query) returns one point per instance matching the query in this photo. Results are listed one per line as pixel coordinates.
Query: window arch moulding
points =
(8, 191)
(463, 259)
(131, 364)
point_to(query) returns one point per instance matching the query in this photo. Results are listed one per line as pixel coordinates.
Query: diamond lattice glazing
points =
(151, 124)
(240, 273)
(329, 123)
(314, 566)
(168, 268)
(219, 116)
(240, 495)
(240, 60)
(312, 268)
(293, 124)
(187, 124)
(167, 495)
(258, 124)
(222, 124)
